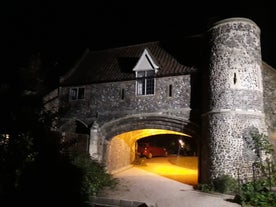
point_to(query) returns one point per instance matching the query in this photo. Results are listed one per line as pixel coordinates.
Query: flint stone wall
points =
(269, 76)
(235, 103)
(103, 102)
(231, 101)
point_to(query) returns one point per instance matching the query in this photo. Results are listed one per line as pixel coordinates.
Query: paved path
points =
(156, 191)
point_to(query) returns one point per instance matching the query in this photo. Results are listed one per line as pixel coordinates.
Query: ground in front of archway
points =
(180, 168)
(162, 182)
(138, 184)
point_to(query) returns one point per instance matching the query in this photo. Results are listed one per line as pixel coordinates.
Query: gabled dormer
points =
(146, 62)
(145, 71)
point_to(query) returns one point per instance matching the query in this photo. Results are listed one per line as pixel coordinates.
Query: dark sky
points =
(63, 30)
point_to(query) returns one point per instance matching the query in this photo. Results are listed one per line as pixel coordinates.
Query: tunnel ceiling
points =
(132, 136)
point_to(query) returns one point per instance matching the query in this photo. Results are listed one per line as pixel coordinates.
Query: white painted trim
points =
(146, 56)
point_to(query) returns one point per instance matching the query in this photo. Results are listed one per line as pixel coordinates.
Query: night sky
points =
(61, 31)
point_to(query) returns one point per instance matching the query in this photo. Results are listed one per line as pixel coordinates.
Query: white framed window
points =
(76, 93)
(145, 84)
(145, 70)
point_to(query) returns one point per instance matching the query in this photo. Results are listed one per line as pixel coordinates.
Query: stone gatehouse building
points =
(114, 97)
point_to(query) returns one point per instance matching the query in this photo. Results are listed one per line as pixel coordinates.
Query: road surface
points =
(138, 184)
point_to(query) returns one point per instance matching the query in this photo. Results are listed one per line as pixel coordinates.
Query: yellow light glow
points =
(182, 169)
(185, 171)
(132, 136)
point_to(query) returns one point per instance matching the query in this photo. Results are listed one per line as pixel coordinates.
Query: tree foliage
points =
(34, 171)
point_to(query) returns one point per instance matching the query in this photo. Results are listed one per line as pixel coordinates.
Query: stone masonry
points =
(219, 101)
(235, 96)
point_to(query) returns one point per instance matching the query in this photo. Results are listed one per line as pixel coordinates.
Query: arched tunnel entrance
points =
(181, 164)
(115, 143)
(120, 137)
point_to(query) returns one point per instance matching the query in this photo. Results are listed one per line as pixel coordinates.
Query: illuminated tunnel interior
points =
(122, 152)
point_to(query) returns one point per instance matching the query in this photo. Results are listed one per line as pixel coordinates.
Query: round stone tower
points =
(233, 99)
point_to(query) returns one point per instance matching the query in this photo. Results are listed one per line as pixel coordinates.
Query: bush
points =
(64, 180)
(225, 184)
(94, 175)
(257, 193)
(204, 187)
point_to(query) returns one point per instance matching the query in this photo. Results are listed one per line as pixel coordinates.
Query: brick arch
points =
(149, 121)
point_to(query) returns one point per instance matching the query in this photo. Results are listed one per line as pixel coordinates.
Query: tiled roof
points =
(117, 64)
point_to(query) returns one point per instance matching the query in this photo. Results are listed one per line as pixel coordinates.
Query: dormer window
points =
(145, 70)
(76, 93)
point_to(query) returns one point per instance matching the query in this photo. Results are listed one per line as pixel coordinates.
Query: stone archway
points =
(120, 136)
(121, 149)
